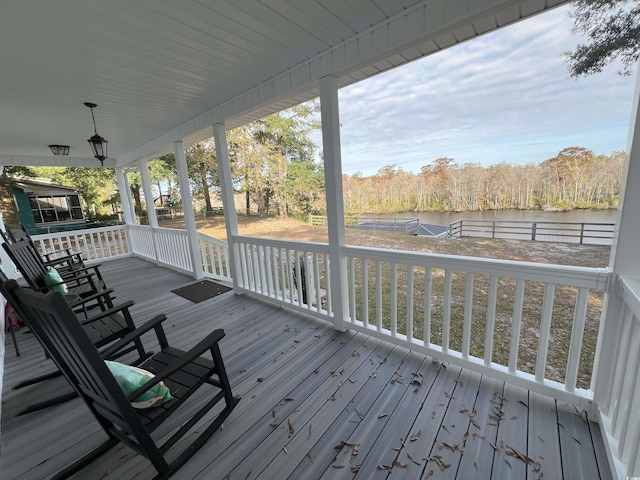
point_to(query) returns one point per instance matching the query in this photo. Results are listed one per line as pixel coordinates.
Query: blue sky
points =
(503, 97)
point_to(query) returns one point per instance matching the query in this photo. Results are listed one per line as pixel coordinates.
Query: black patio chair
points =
(63, 260)
(103, 328)
(55, 325)
(82, 282)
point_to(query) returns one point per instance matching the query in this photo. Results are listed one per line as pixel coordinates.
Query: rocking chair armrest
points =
(154, 323)
(86, 271)
(195, 352)
(109, 312)
(106, 293)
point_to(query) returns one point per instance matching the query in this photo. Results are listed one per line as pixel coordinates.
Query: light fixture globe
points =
(98, 143)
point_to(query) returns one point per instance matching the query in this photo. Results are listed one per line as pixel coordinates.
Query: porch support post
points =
(330, 117)
(148, 193)
(187, 207)
(228, 201)
(624, 260)
(125, 196)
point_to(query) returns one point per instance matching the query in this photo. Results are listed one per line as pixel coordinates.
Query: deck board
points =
(306, 389)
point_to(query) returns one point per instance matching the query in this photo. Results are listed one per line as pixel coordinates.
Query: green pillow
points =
(53, 280)
(131, 378)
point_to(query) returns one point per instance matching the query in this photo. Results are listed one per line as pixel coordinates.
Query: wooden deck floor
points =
(316, 404)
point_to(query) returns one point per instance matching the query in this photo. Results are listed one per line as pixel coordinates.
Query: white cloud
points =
(503, 97)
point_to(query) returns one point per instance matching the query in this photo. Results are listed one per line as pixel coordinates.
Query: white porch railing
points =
(292, 273)
(621, 421)
(94, 244)
(165, 246)
(476, 313)
(214, 255)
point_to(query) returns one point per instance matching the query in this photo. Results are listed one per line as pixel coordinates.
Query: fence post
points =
(493, 229)
(581, 232)
(534, 225)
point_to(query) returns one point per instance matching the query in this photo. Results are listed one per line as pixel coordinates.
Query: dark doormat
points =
(201, 291)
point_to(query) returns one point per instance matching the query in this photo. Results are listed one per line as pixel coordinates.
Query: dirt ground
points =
(291, 229)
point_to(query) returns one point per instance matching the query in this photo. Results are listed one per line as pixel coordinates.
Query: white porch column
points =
(187, 207)
(148, 193)
(335, 204)
(624, 260)
(228, 202)
(125, 196)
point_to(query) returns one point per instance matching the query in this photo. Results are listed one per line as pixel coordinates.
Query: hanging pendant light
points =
(98, 143)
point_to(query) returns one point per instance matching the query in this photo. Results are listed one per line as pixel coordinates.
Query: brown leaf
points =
(260, 379)
(536, 466)
(355, 469)
(359, 414)
(514, 418)
(337, 466)
(448, 395)
(382, 415)
(428, 475)
(413, 460)
(475, 424)
(291, 430)
(273, 413)
(526, 406)
(309, 457)
(288, 399)
(384, 467)
(444, 427)
(399, 465)
(519, 455)
(415, 436)
(248, 475)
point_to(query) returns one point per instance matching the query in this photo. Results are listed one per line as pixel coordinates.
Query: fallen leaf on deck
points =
(384, 467)
(415, 436)
(291, 430)
(382, 415)
(309, 457)
(260, 379)
(399, 465)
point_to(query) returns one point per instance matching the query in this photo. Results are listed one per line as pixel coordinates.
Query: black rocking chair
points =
(102, 328)
(54, 323)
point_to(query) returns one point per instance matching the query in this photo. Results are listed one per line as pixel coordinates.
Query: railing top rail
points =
(291, 244)
(208, 238)
(84, 231)
(595, 278)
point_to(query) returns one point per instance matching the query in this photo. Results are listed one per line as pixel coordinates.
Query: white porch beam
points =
(148, 192)
(330, 116)
(228, 201)
(187, 208)
(125, 196)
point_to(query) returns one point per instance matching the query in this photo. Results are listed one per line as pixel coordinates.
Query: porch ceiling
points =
(166, 70)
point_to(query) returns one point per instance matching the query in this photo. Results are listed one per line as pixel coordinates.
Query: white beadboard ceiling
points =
(162, 70)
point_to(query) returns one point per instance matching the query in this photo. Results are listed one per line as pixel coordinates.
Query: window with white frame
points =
(56, 208)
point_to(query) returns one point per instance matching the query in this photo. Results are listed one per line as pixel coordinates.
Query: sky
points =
(503, 97)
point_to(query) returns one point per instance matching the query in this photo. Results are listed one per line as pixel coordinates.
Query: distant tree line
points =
(575, 178)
